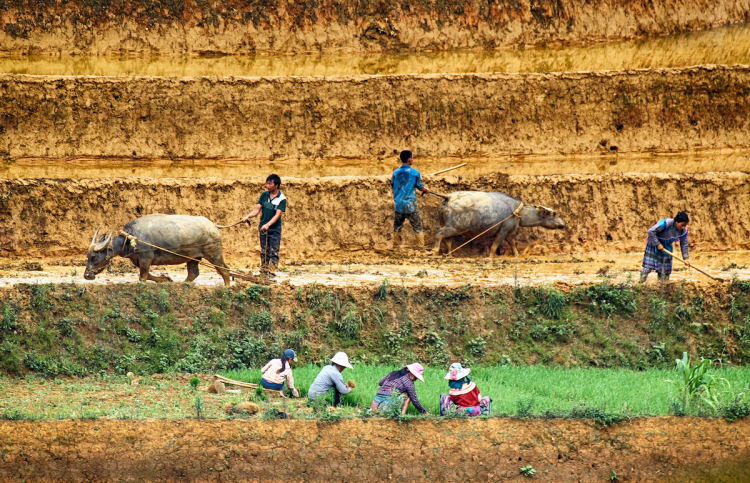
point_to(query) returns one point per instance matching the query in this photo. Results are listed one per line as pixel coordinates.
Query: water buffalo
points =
(193, 236)
(472, 212)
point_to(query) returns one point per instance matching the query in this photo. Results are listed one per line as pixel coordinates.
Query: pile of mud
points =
(240, 27)
(654, 449)
(375, 116)
(604, 213)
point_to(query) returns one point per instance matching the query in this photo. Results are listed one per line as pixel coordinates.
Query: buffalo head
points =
(550, 220)
(99, 255)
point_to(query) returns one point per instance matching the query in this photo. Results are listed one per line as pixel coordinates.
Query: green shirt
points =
(269, 206)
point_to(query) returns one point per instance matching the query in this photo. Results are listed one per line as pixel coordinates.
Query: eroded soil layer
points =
(375, 116)
(702, 161)
(242, 27)
(728, 45)
(604, 213)
(654, 449)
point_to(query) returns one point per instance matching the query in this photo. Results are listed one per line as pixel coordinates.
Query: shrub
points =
(476, 347)
(260, 321)
(611, 299)
(551, 302)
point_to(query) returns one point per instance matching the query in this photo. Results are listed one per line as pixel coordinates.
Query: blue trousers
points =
(270, 242)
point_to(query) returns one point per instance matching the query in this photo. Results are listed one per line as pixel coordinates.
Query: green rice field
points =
(536, 388)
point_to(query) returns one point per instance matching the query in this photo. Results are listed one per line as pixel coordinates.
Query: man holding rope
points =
(660, 237)
(271, 205)
(404, 182)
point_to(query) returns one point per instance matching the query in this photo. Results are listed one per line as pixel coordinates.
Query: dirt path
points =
(410, 268)
(654, 449)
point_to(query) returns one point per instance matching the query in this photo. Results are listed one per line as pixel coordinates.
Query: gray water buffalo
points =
(472, 212)
(193, 236)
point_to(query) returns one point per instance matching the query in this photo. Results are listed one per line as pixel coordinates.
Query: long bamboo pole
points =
(691, 265)
(447, 169)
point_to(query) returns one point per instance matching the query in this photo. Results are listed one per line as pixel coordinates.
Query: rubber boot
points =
(396, 240)
(420, 240)
(643, 277)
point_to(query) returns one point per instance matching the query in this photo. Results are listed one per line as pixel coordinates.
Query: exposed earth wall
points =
(92, 27)
(657, 449)
(604, 213)
(376, 116)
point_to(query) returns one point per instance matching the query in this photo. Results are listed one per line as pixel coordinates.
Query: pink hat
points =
(416, 369)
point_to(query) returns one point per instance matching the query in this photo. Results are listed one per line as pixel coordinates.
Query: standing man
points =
(404, 181)
(271, 205)
(661, 236)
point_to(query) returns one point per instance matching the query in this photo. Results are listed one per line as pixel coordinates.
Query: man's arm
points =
(338, 379)
(273, 220)
(253, 213)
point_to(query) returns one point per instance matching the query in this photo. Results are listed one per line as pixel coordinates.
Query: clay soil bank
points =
(606, 162)
(728, 45)
(654, 449)
(241, 27)
(605, 213)
(375, 116)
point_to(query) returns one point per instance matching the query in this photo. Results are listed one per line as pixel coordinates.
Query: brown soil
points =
(376, 116)
(702, 161)
(654, 449)
(604, 212)
(274, 26)
(728, 45)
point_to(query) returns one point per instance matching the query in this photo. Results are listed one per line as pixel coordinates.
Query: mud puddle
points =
(728, 45)
(410, 268)
(95, 167)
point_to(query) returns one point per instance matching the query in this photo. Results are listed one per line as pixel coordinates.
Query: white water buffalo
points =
(193, 236)
(472, 212)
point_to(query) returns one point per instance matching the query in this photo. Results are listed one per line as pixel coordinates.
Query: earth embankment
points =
(246, 27)
(604, 213)
(654, 449)
(361, 116)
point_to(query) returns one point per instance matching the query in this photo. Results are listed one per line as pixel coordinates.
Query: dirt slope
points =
(604, 212)
(274, 26)
(657, 449)
(360, 116)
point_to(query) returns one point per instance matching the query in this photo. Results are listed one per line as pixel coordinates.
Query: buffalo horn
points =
(101, 246)
(93, 240)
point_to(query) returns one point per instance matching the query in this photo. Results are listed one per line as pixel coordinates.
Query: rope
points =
(135, 240)
(514, 214)
(221, 227)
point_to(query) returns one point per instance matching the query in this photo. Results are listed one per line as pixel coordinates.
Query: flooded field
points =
(410, 268)
(728, 45)
(92, 167)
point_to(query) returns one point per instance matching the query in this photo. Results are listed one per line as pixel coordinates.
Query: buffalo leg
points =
(145, 275)
(505, 229)
(444, 232)
(220, 267)
(193, 269)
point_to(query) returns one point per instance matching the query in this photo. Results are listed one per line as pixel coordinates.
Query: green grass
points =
(640, 393)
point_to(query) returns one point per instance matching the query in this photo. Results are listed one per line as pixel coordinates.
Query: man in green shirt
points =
(271, 205)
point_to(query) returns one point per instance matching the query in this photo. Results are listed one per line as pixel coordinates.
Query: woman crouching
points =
(464, 396)
(400, 382)
(279, 370)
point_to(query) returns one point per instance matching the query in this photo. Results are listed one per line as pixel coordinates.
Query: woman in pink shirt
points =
(278, 370)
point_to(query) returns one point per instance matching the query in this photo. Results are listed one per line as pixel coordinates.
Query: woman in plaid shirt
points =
(402, 382)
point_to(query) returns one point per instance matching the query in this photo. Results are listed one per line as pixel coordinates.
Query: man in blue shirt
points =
(405, 181)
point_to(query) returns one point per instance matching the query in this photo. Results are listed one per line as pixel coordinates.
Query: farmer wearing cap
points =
(277, 370)
(402, 382)
(464, 395)
(661, 236)
(330, 377)
(405, 181)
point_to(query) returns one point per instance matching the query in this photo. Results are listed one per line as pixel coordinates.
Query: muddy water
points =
(411, 269)
(77, 168)
(729, 45)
